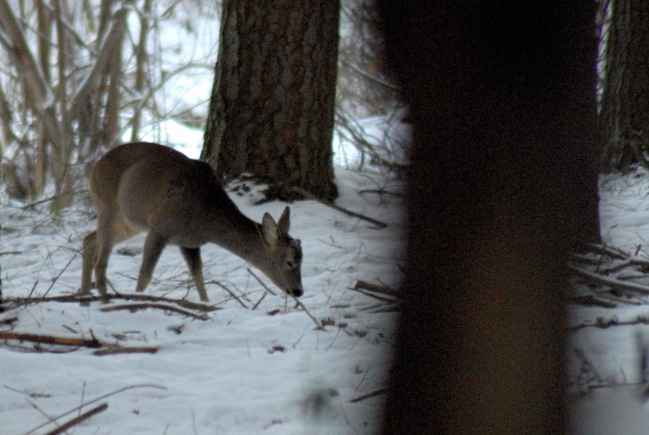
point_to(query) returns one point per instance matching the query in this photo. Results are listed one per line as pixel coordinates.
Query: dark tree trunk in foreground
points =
(502, 186)
(624, 116)
(272, 106)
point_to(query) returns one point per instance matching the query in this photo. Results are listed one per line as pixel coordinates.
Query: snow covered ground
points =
(244, 370)
(611, 357)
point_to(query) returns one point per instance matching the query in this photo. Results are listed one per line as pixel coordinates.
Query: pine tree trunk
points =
(272, 106)
(624, 116)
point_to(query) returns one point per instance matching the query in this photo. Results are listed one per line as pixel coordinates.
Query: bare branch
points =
(36, 87)
(229, 291)
(50, 339)
(79, 419)
(117, 350)
(375, 288)
(308, 195)
(368, 396)
(105, 396)
(371, 77)
(113, 37)
(76, 298)
(140, 55)
(144, 306)
(39, 95)
(608, 281)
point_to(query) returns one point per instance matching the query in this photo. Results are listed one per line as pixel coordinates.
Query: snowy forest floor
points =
(258, 364)
(608, 341)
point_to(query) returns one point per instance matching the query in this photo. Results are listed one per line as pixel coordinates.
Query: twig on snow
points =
(604, 324)
(375, 288)
(259, 301)
(83, 405)
(144, 305)
(115, 350)
(79, 419)
(311, 196)
(229, 291)
(260, 282)
(590, 300)
(608, 281)
(8, 321)
(368, 396)
(50, 339)
(56, 278)
(122, 296)
(609, 250)
(93, 343)
(32, 395)
(382, 192)
(318, 325)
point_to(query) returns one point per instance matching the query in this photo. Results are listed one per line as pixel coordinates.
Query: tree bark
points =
(502, 103)
(272, 107)
(624, 116)
(141, 55)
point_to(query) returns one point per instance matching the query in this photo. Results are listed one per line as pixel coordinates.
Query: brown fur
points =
(149, 187)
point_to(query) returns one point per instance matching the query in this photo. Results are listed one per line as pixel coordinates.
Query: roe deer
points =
(149, 187)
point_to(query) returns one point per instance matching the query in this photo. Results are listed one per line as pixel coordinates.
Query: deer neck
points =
(241, 236)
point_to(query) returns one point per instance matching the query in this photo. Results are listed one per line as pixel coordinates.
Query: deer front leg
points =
(193, 259)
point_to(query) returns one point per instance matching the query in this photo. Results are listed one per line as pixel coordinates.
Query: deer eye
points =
(290, 264)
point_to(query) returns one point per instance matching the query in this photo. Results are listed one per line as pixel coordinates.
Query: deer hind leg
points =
(111, 229)
(153, 247)
(89, 255)
(193, 259)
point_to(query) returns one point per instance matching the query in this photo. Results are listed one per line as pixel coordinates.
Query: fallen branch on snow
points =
(606, 276)
(115, 350)
(368, 396)
(604, 323)
(144, 305)
(363, 285)
(612, 282)
(93, 343)
(229, 291)
(83, 405)
(297, 301)
(75, 298)
(79, 419)
(311, 196)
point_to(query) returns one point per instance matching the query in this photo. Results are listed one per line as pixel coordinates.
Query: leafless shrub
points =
(73, 77)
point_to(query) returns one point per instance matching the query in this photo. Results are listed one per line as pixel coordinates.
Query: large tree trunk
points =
(624, 116)
(272, 107)
(502, 185)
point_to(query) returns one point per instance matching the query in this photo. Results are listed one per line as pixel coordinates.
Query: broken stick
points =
(77, 342)
(144, 306)
(308, 195)
(79, 419)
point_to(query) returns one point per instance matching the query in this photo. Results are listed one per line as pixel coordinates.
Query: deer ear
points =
(269, 229)
(284, 224)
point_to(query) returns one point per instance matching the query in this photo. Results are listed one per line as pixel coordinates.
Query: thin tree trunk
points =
(37, 183)
(36, 89)
(62, 184)
(141, 60)
(44, 31)
(112, 128)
